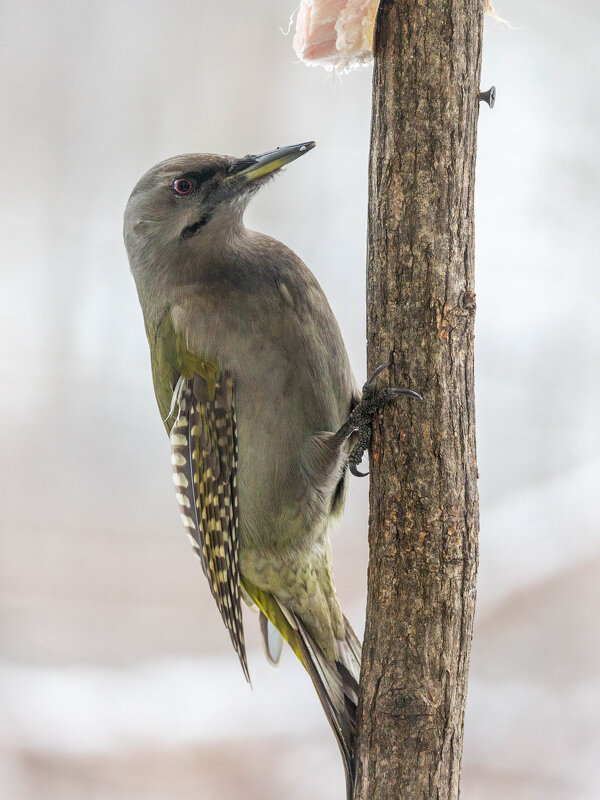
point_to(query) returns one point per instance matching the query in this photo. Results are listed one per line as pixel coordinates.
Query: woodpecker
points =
(256, 392)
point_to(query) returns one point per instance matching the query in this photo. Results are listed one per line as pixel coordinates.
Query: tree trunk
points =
(424, 507)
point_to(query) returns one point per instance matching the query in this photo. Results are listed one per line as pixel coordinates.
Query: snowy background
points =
(117, 680)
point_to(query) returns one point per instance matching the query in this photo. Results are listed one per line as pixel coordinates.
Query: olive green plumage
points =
(254, 386)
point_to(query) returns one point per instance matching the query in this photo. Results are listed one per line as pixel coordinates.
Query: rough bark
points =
(421, 304)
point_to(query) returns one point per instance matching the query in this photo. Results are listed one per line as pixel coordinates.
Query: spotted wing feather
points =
(204, 456)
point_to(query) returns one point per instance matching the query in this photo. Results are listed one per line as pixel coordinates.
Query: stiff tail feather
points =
(336, 682)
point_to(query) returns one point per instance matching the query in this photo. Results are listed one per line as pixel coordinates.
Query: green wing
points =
(196, 400)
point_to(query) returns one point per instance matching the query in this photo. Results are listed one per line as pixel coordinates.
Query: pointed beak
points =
(252, 167)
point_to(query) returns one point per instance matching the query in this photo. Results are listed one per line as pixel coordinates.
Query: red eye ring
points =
(183, 186)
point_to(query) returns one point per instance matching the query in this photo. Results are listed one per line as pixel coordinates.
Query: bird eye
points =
(183, 186)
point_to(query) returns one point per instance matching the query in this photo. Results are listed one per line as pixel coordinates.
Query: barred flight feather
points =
(204, 457)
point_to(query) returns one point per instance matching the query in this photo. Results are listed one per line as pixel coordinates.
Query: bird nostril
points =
(242, 163)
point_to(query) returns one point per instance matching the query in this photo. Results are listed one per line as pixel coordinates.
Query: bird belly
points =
(292, 381)
(284, 544)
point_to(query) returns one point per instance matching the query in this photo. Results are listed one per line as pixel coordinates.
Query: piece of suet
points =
(338, 34)
(335, 34)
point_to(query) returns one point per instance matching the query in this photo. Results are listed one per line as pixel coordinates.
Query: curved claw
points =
(380, 369)
(372, 378)
(357, 473)
(395, 392)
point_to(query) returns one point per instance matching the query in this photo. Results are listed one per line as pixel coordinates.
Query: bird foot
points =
(361, 416)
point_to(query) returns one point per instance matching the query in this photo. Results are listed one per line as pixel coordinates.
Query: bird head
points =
(197, 198)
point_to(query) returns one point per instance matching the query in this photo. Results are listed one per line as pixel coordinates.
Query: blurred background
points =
(117, 679)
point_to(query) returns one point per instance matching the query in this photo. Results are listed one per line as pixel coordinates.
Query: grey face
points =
(187, 198)
(177, 199)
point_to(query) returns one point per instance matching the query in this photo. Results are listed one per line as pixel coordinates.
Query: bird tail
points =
(336, 682)
(337, 686)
